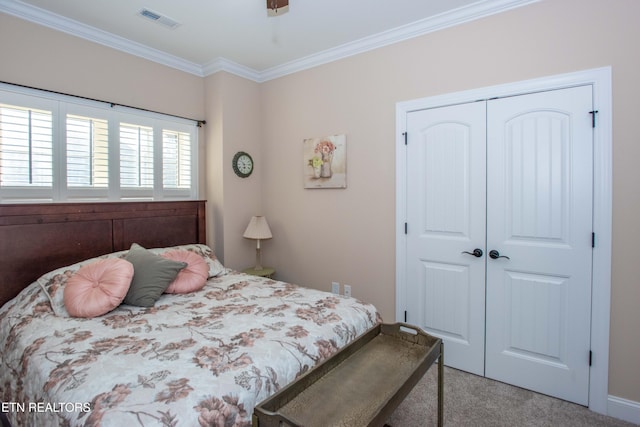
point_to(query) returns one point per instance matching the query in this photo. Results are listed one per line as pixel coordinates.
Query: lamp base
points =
(258, 260)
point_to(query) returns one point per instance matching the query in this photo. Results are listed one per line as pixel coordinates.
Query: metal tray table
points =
(361, 385)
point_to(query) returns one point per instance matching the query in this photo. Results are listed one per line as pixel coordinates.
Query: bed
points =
(205, 357)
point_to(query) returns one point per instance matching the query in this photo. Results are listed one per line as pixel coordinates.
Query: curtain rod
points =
(112, 104)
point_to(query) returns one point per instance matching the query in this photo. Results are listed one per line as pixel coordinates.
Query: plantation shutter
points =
(136, 156)
(176, 159)
(87, 152)
(56, 148)
(26, 147)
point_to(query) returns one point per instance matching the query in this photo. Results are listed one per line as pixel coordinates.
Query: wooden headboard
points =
(38, 238)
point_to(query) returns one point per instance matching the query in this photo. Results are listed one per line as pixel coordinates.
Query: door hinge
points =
(405, 319)
(590, 356)
(593, 240)
(593, 117)
(405, 228)
(405, 137)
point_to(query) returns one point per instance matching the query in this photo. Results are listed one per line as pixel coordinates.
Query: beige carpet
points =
(470, 400)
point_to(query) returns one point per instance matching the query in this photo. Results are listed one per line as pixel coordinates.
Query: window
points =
(87, 152)
(57, 148)
(26, 147)
(136, 156)
(176, 168)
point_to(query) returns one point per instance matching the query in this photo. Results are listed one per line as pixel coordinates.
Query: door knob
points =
(495, 254)
(477, 252)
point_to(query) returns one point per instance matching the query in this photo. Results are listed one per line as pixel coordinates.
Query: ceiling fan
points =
(277, 7)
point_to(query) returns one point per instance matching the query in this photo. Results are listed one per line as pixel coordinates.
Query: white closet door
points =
(446, 216)
(539, 215)
(511, 175)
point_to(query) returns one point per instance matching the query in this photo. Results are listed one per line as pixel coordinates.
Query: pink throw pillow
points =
(192, 277)
(97, 288)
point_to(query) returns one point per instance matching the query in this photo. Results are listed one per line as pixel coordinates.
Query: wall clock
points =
(242, 164)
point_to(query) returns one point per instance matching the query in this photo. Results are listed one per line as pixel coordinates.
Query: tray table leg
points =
(441, 386)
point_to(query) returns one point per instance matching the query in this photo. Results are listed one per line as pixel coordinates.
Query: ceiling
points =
(238, 36)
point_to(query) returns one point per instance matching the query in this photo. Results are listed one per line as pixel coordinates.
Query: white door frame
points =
(600, 78)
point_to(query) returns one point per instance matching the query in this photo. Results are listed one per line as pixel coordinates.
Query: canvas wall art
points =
(325, 162)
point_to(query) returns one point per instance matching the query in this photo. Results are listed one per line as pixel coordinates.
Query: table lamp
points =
(258, 229)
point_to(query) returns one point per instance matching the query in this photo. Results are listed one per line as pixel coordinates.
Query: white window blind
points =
(176, 158)
(87, 152)
(26, 146)
(136, 156)
(56, 148)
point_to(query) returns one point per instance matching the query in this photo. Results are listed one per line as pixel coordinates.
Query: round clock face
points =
(242, 164)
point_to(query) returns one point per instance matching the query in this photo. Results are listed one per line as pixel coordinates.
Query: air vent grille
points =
(158, 18)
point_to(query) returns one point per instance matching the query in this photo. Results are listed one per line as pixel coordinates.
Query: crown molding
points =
(223, 64)
(69, 26)
(480, 9)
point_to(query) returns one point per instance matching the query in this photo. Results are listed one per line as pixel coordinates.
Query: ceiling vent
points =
(158, 18)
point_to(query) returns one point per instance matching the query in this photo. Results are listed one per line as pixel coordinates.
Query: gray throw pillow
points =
(152, 275)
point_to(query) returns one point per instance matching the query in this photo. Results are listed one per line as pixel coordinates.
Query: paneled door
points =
(446, 224)
(539, 181)
(523, 252)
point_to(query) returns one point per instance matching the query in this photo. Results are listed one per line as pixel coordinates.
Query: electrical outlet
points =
(335, 288)
(347, 290)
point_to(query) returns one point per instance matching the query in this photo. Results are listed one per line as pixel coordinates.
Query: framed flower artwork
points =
(325, 162)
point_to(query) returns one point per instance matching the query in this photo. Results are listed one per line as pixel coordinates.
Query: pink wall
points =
(234, 114)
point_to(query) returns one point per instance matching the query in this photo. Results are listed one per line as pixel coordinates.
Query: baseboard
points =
(623, 409)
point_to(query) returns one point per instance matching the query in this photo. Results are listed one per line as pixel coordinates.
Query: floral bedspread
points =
(200, 359)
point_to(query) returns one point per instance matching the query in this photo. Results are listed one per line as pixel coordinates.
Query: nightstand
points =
(265, 272)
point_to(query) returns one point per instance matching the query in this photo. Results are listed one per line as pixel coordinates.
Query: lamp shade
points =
(258, 228)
